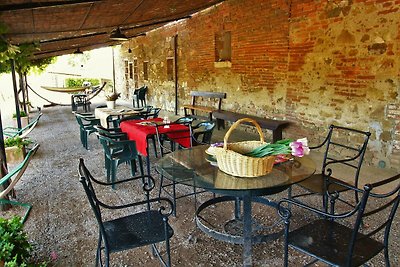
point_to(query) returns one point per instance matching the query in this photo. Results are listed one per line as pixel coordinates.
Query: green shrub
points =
(21, 114)
(16, 141)
(14, 246)
(77, 82)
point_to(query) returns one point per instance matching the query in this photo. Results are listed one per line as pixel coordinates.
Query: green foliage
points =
(77, 82)
(16, 141)
(21, 114)
(22, 54)
(15, 249)
(280, 147)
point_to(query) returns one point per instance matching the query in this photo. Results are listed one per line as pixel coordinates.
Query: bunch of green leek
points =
(279, 147)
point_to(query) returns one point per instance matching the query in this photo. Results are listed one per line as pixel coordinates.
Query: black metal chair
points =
(340, 238)
(202, 132)
(149, 226)
(173, 138)
(152, 113)
(348, 160)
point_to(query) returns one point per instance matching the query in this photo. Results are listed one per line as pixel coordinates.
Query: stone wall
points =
(311, 62)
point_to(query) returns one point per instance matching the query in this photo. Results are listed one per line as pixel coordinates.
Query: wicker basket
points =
(231, 160)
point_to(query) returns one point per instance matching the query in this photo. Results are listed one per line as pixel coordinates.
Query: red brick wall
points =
(311, 62)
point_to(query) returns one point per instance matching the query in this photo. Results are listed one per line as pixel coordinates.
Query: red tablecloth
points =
(139, 133)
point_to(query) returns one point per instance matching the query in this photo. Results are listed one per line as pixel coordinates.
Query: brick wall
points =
(311, 62)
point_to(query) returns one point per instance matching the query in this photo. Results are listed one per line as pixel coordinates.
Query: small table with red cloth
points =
(140, 130)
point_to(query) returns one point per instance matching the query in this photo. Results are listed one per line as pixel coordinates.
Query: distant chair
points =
(340, 238)
(80, 100)
(202, 132)
(139, 97)
(147, 225)
(153, 113)
(186, 119)
(86, 126)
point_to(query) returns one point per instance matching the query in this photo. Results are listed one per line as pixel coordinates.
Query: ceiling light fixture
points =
(78, 51)
(117, 35)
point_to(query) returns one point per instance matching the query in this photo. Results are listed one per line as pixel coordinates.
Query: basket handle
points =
(233, 126)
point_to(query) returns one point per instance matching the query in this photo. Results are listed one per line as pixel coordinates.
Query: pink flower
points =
(300, 147)
(54, 256)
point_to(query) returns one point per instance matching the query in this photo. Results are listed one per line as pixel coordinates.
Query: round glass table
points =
(192, 167)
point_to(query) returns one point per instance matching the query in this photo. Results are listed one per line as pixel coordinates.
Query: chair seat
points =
(136, 230)
(329, 242)
(315, 184)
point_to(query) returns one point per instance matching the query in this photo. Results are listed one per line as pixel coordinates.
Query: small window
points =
(130, 70)
(170, 69)
(135, 73)
(146, 70)
(223, 46)
(126, 69)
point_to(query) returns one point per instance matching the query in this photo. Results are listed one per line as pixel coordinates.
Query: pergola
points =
(64, 26)
(61, 27)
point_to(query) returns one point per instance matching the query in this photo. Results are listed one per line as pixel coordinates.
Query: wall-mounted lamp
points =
(78, 51)
(117, 35)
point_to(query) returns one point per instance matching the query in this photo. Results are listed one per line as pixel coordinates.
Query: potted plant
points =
(111, 98)
(15, 249)
(24, 119)
(15, 148)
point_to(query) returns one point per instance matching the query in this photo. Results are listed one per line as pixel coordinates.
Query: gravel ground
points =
(62, 225)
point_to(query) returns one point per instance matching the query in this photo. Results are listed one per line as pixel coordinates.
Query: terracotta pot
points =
(15, 154)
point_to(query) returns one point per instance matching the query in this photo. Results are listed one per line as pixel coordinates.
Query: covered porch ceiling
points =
(60, 27)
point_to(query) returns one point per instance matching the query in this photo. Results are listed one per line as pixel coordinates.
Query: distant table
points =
(119, 111)
(190, 167)
(140, 131)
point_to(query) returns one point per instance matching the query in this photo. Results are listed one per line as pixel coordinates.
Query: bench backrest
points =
(205, 94)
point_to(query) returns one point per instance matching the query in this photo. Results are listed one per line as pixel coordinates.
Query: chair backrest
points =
(131, 117)
(126, 148)
(86, 120)
(113, 133)
(187, 119)
(181, 136)
(153, 113)
(377, 208)
(202, 132)
(142, 92)
(86, 180)
(344, 148)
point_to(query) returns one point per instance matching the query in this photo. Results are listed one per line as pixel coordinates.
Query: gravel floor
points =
(61, 223)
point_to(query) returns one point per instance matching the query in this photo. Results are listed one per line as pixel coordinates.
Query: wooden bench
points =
(275, 126)
(194, 106)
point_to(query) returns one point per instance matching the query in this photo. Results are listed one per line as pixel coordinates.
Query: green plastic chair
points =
(8, 182)
(117, 152)
(86, 126)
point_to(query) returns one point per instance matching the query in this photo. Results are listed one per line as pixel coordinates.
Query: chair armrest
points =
(283, 211)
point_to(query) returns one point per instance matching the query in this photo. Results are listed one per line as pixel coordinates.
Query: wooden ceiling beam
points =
(36, 5)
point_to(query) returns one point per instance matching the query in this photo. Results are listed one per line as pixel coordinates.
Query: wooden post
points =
(3, 161)
(15, 94)
(176, 72)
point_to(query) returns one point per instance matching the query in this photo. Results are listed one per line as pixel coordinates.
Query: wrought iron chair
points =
(175, 137)
(202, 132)
(117, 152)
(86, 126)
(149, 226)
(152, 113)
(348, 160)
(339, 238)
